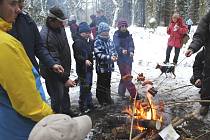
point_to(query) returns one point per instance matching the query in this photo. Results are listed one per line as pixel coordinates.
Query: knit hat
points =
(103, 27)
(61, 127)
(121, 23)
(57, 13)
(84, 27)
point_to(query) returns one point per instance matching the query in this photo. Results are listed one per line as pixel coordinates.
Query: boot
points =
(204, 110)
(165, 62)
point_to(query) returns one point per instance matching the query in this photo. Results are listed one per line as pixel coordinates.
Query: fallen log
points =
(176, 123)
(123, 132)
(140, 136)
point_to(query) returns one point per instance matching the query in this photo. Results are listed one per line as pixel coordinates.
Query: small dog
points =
(166, 69)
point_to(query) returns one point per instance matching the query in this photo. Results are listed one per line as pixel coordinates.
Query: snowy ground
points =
(149, 50)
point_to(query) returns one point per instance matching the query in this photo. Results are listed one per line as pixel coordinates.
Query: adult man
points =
(202, 38)
(100, 17)
(21, 105)
(25, 30)
(55, 40)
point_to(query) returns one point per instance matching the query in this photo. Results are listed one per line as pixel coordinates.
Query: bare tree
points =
(116, 12)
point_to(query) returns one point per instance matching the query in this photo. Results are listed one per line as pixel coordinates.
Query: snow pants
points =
(125, 69)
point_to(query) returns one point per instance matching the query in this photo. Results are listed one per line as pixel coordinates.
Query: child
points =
(125, 48)
(106, 55)
(83, 54)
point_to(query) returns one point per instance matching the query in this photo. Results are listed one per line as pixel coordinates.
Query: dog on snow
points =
(170, 68)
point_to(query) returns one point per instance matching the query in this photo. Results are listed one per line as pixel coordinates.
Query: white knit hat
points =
(61, 127)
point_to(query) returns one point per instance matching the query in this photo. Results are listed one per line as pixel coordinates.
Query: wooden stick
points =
(189, 101)
(132, 119)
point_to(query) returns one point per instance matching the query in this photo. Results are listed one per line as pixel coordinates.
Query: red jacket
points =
(176, 36)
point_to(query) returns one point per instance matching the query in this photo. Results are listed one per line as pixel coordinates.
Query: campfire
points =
(146, 113)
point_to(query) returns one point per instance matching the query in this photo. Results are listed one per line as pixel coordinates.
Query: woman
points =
(177, 29)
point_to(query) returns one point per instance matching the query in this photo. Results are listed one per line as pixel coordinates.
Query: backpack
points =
(185, 39)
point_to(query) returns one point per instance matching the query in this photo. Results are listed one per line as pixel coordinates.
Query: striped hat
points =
(121, 23)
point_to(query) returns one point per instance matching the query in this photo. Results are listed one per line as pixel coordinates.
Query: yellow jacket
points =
(17, 78)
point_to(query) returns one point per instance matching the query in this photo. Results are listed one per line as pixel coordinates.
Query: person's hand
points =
(88, 63)
(131, 54)
(176, 27)
(114, 58)
(189, 52)
(58, 68)
(198, 83)
(70, 83)
(125, 52)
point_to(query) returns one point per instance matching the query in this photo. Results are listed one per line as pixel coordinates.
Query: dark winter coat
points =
(101, 19)
(104, 49)
(93, 28)
(123, 41)
(202, 38)
(74, 29)
(198, 65)
(83, 50)
(56, 42)
(176, 37)
(26, 31)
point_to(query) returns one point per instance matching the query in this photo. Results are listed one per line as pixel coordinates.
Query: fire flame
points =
(145, 110)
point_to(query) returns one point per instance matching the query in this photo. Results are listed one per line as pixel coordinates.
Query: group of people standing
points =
(106, 52)
(22, 98)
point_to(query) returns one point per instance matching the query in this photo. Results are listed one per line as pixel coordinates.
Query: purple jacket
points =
(123, 41)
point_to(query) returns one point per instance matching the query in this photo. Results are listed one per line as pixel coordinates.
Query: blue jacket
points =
(25, 30)
(123, 41)
(104, 49)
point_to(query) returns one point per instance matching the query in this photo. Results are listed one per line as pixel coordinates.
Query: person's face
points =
(85, 35)
(123, 28)
(9, 10)
(105, 34)
(21, 4)
(58, 24)
(174, 19)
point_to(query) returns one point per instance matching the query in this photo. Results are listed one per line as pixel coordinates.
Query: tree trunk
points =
(117, 8)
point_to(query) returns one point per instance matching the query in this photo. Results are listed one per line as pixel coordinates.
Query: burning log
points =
(152, 124)
(125, 120)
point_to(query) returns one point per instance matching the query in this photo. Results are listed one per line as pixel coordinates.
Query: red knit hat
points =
(121, 23)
